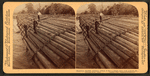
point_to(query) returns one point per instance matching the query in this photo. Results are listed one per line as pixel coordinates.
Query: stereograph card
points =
(75, 37)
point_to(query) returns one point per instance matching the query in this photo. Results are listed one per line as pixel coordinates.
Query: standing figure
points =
(96, 26)
(100, 17)
(39, 16)
(25, 29)
(35, 23)
(87, 30)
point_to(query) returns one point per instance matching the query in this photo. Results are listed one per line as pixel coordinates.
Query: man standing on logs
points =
(25, 29)
(96, 26)
(87, 30)
(35, 23)
(39, 16)
(97, 23)
(100, 17)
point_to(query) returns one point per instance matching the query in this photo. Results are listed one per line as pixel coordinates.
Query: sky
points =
(35, 6)
(98, 4)
(80, 9)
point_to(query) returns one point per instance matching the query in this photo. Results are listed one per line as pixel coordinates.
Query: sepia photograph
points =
(43, 36)
(107, 36)
(75, 37)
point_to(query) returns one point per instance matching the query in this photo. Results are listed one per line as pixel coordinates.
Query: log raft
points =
(116, 45)
(53, 46)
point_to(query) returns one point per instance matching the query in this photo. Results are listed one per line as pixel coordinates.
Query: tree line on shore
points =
(52, 9)
(116, 9)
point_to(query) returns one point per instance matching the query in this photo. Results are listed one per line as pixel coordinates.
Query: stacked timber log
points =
(115, 45)
(53, 46)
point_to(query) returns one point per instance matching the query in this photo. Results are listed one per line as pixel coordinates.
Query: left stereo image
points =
(43, 36)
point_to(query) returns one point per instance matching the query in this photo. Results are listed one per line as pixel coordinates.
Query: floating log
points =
(118, 31)
(123, 26)
(60, 47)
(64, 20)
(59, 34)
(123, 42)
(37, 61)
(51, 54)
(135, 23)
(101, 65)
(121, 36)
(105, 61)
(57, 38)
(121, 54)
(46, 37)
(53, 30)
(54, 49)
(60, 24)
(46, 63)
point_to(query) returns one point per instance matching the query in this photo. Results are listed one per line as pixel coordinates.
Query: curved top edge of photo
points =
(108, 8)
(46, 8)
(103, 39)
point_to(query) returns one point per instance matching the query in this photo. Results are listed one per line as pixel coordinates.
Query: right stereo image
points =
(107, 36)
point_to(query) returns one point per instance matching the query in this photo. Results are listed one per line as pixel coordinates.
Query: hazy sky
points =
(35, 6)
(80, 9)
(98, 4)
